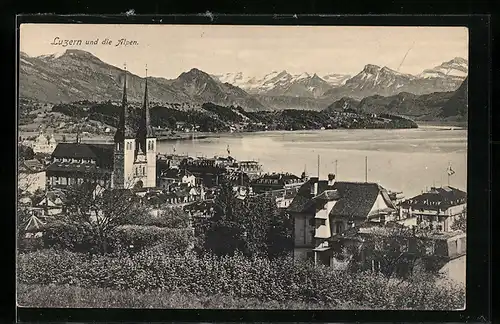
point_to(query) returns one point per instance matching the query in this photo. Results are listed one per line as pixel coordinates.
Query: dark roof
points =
(102, 153)
(354, 199)
(33, 164)
(437, 198)
(175, 173)
(77, 167)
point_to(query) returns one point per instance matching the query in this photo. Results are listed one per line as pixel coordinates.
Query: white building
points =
(44, 144)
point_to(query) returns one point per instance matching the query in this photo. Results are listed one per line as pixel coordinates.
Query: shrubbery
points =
(278, 280)
(135, 238)
(171, 218)
(77, 237)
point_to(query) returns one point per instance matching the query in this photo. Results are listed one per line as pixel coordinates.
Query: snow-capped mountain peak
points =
(335, 79)
(52, 56)
(456, 68)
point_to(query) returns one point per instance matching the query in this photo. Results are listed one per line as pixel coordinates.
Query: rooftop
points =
(78, 167)
(102, 153)
(354, 199)
(437, 198)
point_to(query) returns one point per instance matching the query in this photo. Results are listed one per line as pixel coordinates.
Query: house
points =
(373, 245)
(31, 176)
(283, 197)
(52, 203)
(171, 160)
(276, 181)
(204, 170)
(33, 226)
(325, 208)
(436, 209)
(224, 162)
(252, 168)
(176, 175)
(238, 178)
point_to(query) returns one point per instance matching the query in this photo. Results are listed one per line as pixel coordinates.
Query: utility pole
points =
(318, 165)
(366, 168)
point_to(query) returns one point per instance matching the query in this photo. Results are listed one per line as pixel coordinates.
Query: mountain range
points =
(384, 81)
(451, 105)
(79, 75)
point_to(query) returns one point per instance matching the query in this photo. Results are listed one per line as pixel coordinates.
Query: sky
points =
(169, 50)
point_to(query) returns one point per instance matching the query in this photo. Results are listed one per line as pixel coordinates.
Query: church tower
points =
(124, 149)
(150, 141)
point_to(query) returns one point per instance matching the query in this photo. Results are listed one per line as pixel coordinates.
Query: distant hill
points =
(432, 106)
(457, 106)
(79, 75)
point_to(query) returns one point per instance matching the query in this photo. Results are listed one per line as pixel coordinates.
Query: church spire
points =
(124, 129)
(147, 117)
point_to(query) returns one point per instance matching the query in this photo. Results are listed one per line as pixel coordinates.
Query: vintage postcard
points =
(264, 167)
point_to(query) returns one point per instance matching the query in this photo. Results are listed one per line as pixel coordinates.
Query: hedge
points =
(136, 237)
(78, 237)
(279, 280)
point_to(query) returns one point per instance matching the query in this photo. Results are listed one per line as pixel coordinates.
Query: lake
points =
(408, 160)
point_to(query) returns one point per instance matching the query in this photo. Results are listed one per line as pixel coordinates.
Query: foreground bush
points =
(77, 237)
(173, 217)
(136, 238)
(79, 297)
(279, 280)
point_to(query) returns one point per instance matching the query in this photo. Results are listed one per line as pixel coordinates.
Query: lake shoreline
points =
(94, 138)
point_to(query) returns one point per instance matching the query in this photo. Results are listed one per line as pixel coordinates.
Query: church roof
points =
(102, 153)
(78, 167)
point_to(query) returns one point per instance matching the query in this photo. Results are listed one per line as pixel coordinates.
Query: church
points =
(128, 163)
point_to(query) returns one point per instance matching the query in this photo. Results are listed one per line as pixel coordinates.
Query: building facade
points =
(323, 209)
(437, 209)
(277, 181)
(134, 158)
(128, 163)
(44, 144)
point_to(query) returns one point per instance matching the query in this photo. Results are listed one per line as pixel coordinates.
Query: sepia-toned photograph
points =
(242, 167)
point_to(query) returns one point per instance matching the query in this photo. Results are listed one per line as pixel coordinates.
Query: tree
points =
(253, 226)
(460, 223)
(395, 249)
(25, 152)
(102, 210)
(280, 235)
(223, 234)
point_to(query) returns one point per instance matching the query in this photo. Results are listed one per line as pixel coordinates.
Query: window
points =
(143, 170)
(338, 227)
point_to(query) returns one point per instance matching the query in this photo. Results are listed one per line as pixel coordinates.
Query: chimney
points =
(331, 179)
(314, 187)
